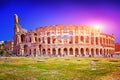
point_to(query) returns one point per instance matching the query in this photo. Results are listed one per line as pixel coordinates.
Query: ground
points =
(59, 68)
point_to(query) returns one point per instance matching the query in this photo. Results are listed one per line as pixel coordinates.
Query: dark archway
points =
(54, 51)
(76, 51)
(65, 51)
(82, 52)
(76, 39)
(22, 38)
(87, 51)
(40, 48)
(48, 40)
(48, 51)
(44, 52)
(34, 53)
(25, 49)
(71, 51)
(92, 52)
(97, 52)
(101, 52)
(59, 51)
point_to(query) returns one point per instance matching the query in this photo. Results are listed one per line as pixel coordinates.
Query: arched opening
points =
(48, 40)
(97, 52)
(53, 39)
(76, 51)
(48, 51)
(30, 39)
(39, 40)
(82, 39)
(25, 49)
(71, 40)
(87, 51)
(40, 48)
(107, 52)
(65, 51)
(82, 52)
(35, 39)
(59, 51)
(96, 40)
(22, 38)
(43, 52)
(92, 52)
(87, 39)
(34, 52)
(76, 39)
(71, 51)
(100, 51)
(54, 51)
(104, 52)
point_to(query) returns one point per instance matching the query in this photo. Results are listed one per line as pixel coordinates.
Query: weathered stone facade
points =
(62, 40)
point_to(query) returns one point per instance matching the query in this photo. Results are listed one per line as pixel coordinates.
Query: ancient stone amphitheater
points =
(62, 40)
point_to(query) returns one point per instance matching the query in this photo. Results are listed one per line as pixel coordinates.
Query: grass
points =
(58, 68)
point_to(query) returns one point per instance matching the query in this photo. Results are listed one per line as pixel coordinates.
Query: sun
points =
(97, 26)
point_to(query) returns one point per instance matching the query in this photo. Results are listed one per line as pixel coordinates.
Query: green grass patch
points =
(58, 68)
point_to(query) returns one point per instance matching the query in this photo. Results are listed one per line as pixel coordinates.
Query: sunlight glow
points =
(99, 26)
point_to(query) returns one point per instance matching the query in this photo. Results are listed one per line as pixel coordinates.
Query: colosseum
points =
(62, 40)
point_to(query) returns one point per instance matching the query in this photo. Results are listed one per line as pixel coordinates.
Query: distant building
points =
(62, 40)
(1, 45)
(117, 48)
(9, 45)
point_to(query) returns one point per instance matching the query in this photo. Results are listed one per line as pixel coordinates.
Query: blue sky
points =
(36, 13)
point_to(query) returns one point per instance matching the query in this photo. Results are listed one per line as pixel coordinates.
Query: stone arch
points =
(87, 51)
(71, 51)
(107, 51)
(30, 39)
(101, 52)
(76, 39)
(39, 40)
(30, 52)
(97, 52)
(54, 51)
(34, 53)
(92, 52)
(65, 51)
(22, 38)
(82, 52)
(96, 40)
(35, 34)
(48, 51)
(82, 39)
(76, 51)
(71, 40)
(44, 52)
(40, 48)
(25, 49)
(59, 51)
(48, 40)
(104, 52)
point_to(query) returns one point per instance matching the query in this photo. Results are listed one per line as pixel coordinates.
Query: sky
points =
(36, 13)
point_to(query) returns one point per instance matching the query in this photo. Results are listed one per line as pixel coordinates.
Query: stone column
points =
(56, 51)
(74, 51)
(51, 53)
(68, 52)
(85, 52)
(89, 51)
(62, 51)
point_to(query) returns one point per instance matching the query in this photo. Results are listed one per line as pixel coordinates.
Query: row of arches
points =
(97, 40)
(68, 51)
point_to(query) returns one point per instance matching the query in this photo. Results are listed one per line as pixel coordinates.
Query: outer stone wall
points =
(63, 40)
